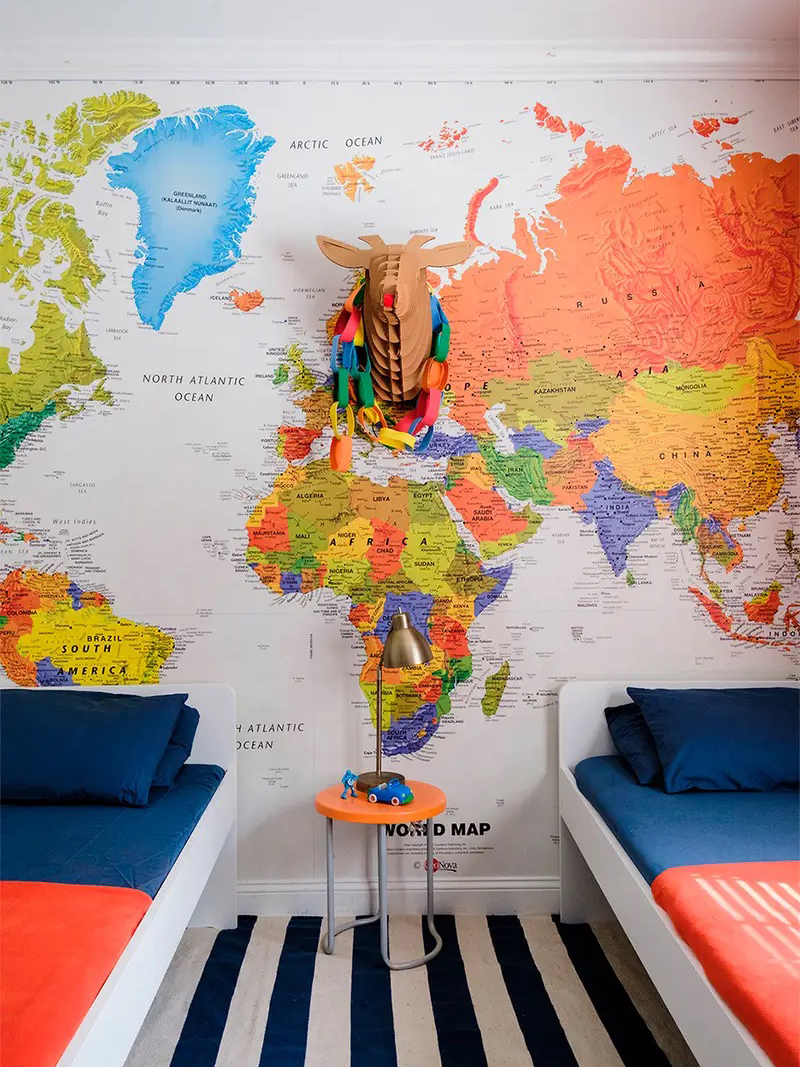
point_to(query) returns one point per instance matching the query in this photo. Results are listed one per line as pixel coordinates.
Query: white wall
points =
(470, 20)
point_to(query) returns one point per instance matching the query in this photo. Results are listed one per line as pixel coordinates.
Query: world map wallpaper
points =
(612, 489)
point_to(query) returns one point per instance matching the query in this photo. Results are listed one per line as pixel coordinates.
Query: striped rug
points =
(505, 991)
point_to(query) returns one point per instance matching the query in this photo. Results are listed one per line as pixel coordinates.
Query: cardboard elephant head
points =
(397, 307)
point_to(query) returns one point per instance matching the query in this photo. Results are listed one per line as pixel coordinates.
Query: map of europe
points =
(625, 353)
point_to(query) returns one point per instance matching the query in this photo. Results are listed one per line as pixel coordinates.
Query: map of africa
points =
(612, 488)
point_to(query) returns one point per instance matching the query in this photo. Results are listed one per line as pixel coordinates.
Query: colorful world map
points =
(612, 489)
(628, 354)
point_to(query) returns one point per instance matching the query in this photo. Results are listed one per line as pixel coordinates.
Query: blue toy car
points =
(392, 792)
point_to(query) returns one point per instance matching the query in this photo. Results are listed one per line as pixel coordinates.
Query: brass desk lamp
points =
(404, 647)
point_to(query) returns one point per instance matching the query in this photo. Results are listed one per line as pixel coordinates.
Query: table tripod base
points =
(382, 915)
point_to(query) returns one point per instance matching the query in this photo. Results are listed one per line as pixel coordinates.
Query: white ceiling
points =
(402, 20)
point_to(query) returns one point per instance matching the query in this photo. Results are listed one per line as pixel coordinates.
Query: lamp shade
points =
(405, 646)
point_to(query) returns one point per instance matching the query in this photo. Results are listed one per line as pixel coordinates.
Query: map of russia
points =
(192, 176)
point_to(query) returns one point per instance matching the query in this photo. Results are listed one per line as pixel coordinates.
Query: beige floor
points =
(643, 993)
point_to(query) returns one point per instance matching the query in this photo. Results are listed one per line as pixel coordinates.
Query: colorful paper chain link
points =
(352, 380)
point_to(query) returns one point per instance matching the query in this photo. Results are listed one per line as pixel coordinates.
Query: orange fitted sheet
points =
(59, 943)
(742, 922)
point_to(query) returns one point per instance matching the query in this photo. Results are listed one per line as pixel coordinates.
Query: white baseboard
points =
(255, 59)
(454, 895)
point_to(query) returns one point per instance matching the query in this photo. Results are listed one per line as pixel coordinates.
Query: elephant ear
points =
(448, 255)
(343, 255)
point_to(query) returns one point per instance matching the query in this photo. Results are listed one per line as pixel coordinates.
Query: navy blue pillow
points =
(721, 739)
(179, 748)
(180, 744)
(63, 746)
(634, 742)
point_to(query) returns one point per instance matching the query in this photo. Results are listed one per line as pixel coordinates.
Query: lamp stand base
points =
(369, 779)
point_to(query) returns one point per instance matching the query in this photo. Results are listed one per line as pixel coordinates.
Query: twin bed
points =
(714, 870)
(95, 898)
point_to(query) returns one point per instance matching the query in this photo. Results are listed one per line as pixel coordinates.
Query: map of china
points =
(192, 177)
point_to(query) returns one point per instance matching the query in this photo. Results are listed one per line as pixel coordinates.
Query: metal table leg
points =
(383, 911)
(333, 929)
(329, 857)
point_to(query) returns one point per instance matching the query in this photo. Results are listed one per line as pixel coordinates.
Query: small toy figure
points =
(393, 792)
(349, 783)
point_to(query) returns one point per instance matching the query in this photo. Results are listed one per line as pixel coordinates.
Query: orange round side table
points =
(428, 801)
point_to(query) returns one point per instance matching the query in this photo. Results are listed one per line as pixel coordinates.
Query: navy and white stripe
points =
(505, 991)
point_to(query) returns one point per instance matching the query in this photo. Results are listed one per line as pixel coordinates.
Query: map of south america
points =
(53, 632)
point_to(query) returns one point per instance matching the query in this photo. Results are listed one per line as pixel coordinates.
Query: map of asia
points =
(612, 490)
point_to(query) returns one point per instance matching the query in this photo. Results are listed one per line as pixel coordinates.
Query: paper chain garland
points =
(352, 380)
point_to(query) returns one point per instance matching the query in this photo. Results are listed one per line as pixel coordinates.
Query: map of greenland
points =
(192, 176)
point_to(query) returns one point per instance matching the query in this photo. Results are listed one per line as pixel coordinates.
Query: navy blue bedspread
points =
(100, 844)
(659, 830)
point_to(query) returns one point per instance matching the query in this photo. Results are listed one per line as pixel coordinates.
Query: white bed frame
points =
(598, 878)
(200, 890)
